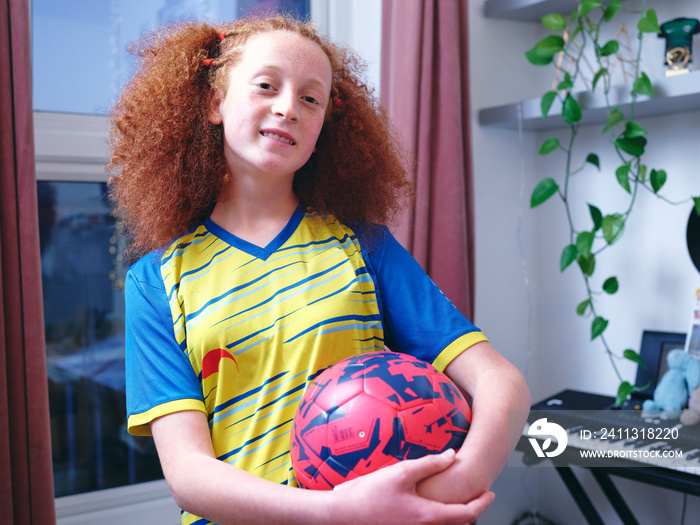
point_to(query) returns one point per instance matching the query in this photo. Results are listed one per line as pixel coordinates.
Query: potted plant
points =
(576, 41)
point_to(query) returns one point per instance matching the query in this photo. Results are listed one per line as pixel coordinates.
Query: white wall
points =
(504, 234)
(523, 303)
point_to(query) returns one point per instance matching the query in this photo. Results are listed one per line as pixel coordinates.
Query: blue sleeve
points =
(158, 371)
(418, 318)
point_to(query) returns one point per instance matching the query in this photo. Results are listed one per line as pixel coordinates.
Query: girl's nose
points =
(285, 105)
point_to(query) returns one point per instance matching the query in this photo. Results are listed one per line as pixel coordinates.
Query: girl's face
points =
(274, 106)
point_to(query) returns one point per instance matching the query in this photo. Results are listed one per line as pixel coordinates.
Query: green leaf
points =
(610, 48)
(613, 227)
(571, 111)
(584, 243)
(611, 285)
(546, 103)
(633, 146)
(565, 84)
(650, 23)
(597, 217)
(554, 22)
(593, 159)
(612, 9)
(601, 72)
(568, 255)
(622, 174)
(544, 51)
(632, 130)
(586, 6)
(587, 264)
(642, 172)
(634, 356)
(614, 118)
(538, 60)
(642, 86)
(549, 145)
(598, 326)
(623, 392)
(543, 191)
(582, 307)
(657, 179)
(696, 201)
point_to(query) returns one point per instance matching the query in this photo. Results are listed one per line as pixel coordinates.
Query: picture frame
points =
(654, 349)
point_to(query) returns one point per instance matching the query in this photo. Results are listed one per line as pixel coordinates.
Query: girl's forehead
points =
(285, 48)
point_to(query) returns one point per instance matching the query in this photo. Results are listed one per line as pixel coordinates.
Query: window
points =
(82, 279)
(96, 463)
(80, 60)
(79, 64)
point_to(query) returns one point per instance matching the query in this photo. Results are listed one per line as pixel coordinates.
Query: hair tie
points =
(338, 102)
(209, 61)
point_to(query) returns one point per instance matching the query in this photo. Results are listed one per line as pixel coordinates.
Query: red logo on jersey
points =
(210, 363)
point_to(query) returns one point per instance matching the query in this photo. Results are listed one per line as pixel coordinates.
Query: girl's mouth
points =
(277, 137)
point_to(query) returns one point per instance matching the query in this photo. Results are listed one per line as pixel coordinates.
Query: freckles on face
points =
(276, 102)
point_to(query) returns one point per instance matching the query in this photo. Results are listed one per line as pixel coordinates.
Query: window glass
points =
(82, 278)
(79, 46)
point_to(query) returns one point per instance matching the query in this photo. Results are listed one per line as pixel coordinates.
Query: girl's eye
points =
(265, 86)
(310, 100)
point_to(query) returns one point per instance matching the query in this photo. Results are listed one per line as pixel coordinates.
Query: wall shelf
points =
(527, 10)
(671, 95)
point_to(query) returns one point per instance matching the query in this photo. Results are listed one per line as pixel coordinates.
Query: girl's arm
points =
(498, 393)
(207, 487)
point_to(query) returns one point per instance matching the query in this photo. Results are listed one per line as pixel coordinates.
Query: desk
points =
(601, 469)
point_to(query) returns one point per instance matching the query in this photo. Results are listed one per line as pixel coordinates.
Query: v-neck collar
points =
(253, 249)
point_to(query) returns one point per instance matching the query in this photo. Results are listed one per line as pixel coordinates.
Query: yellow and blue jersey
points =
(237, 331)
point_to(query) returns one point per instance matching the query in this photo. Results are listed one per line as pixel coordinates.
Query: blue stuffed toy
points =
(675, 386)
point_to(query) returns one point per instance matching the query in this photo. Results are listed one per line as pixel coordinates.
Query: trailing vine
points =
(581, 32)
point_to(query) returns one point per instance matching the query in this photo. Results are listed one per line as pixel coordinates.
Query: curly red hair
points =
(167, 157)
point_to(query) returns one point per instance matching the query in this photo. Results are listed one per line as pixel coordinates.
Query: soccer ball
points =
(370, 411)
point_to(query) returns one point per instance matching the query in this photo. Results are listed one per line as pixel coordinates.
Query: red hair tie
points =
(338, 102)
(208, 61)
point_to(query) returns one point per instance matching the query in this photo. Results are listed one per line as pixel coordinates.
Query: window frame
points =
(70, 147)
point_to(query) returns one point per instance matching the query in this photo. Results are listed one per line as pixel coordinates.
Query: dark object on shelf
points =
(693, 238)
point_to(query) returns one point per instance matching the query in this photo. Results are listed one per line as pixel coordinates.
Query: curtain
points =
(26, 483)
(424, 87)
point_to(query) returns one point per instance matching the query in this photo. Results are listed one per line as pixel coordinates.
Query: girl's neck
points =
(255, 215)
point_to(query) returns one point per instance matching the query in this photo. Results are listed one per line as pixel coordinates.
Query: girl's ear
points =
(215, 100)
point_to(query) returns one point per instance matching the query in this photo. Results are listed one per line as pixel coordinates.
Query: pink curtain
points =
(26, 482)
(424, 86)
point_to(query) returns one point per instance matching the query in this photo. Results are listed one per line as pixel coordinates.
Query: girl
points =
(253, 172)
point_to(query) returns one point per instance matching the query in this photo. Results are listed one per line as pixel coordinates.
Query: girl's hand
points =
(389, 496)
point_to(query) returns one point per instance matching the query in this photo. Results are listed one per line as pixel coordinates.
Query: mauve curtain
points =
(26, 479)
(424, 86)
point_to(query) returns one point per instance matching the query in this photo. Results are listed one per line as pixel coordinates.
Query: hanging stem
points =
(629, 144)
